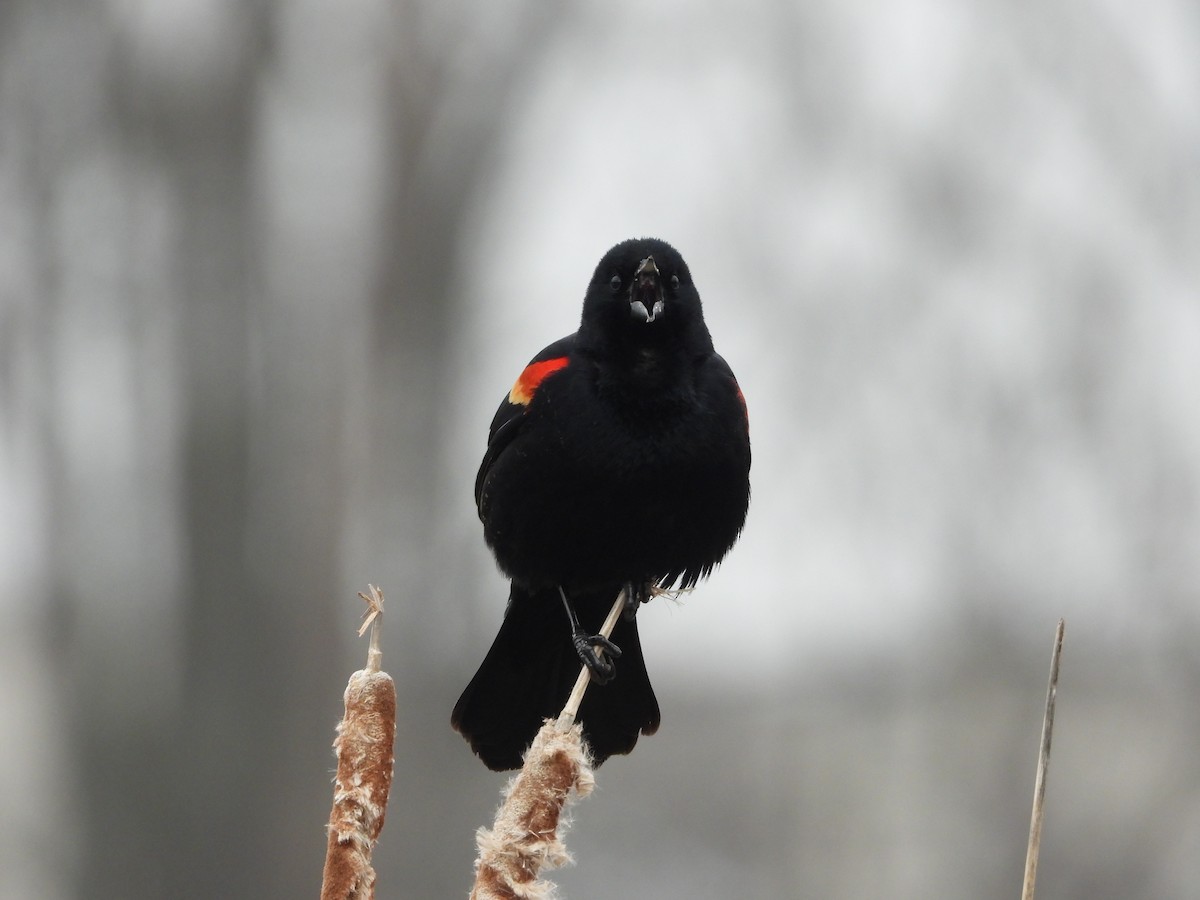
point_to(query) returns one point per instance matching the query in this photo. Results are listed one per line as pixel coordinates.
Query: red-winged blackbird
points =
(620, 458)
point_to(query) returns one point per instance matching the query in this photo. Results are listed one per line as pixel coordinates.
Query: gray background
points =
(266, 268)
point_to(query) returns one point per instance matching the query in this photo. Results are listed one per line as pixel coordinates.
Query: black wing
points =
(724, 374)
(509, 418)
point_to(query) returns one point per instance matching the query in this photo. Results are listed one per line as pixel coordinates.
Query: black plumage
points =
(620, 457)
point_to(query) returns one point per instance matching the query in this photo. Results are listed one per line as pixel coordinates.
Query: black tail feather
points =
(530, 670)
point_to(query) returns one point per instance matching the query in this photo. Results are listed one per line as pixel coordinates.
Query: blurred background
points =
(267, 268)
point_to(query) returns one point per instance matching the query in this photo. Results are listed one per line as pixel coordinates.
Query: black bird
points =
(620, 459)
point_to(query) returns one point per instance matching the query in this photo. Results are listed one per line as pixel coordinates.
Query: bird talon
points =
(591, 649)
(635, 596)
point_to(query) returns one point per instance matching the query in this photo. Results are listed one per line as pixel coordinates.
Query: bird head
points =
(642, 294)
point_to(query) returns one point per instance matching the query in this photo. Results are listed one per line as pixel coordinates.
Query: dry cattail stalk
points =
(365, 756)
(526, 836)
(1039, 786)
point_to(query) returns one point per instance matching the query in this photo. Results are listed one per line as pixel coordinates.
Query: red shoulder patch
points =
(535, 373)
(742, 400)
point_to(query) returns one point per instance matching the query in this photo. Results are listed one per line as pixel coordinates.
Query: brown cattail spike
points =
(526, 836)
(364, 743)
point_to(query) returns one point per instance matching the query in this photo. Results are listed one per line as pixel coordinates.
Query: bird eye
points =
(674, 281)
(614, 283)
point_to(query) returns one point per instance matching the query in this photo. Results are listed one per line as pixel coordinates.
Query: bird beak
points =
(646, 293)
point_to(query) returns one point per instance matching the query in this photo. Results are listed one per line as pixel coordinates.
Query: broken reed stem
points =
(364, 742)
(525, 837)
(566, 719)
(1039, 787)
(371, 619)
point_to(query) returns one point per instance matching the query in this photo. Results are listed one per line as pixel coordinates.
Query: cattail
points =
(364, 742)
(527, 834)
(1039, 785)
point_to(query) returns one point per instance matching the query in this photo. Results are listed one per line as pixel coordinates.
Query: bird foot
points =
(635, 596)
(592, 649)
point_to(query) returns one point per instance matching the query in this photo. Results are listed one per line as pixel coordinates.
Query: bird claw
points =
(634, 597)
(591, 649)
